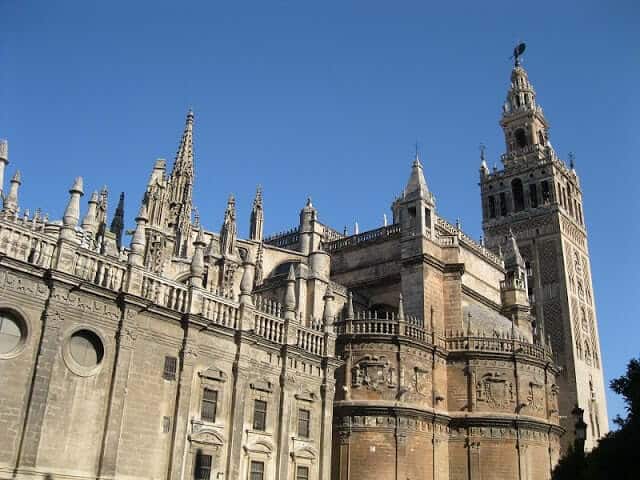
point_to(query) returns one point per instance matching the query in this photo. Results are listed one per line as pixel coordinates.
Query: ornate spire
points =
(257, 217)
(290, 296)
(138, 241)
(117, 224)
(229, 231)
(72, 212)
(11, 200)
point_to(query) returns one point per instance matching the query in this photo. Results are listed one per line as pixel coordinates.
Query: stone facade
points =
(406, 352)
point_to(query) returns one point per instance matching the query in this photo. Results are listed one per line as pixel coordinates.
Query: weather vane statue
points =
(517, 53)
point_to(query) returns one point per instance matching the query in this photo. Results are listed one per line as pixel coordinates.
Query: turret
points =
(415, 209)
(257, 218)
(11, 200)
(229, 230)
(310, 234)
(328, 315)
(514, 290)
(72, 212)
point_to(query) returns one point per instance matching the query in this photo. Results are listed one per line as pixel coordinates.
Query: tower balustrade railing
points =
(365, 237)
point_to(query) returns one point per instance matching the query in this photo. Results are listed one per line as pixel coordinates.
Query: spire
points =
(4, 161)
(417, 182)
(11, 200)
(117, 224)
(181, 190)
(197, 261)
(257, 217)
(138, 241)
(71, 215)
(512, 257)
(290, 296)
(90, 220)
(228, 233)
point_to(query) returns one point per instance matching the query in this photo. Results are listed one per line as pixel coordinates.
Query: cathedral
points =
(411, 351)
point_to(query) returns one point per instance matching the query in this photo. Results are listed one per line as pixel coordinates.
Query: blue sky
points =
(328, 99)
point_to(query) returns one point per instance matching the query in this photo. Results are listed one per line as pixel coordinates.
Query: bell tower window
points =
(521, 138)
(518, 194)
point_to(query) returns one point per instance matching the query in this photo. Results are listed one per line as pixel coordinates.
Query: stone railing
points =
(25, 241)
(512, 283)
(99, 270)
(364, 237)
(462, 342)
(467, 241)
(33, 243)
(310, 340)
(220, 310)
(284, 239)
(166, 293)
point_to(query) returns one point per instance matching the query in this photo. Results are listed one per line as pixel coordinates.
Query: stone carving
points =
(536, 397)
(495, 390)
(22, 285)
(420, 382)
(86, 304)
(373, 372)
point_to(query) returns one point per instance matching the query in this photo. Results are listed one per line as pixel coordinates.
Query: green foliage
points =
(613, 458)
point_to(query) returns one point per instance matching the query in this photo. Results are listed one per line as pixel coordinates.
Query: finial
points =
(384, 219)
(483, 148)
(309, 204)
(517, 53)
(356, 228)
(400, 308)
(572, 160)
(17, 178)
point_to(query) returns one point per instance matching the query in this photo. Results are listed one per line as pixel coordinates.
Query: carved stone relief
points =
(495, 390)
(374, 373)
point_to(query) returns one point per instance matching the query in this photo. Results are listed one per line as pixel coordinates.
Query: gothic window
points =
(256, 471)
(203, 467)
(492, 207)
(209, 405)
(518, 194)
(521, 138)
(304, 419)
(587, 353)
(533, 195)
(503, 204)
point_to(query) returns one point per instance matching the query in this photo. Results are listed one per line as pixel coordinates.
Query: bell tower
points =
(536, 199)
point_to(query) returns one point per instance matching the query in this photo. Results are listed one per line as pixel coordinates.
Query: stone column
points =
(401, 449)
(328, 391)
(117, 398)
(287, 387)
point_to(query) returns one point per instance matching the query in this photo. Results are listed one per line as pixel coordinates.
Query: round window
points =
(86, 348)
(10, 333)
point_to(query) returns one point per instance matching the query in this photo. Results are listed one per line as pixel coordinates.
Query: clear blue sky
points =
(327, 99)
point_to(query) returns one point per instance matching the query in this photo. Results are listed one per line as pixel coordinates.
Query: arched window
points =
(518, 194)
(521, 138)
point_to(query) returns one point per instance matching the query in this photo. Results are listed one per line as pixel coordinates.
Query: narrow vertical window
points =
(304, 417)
(260, 415)
(256, 471)
(209, 405)
(503, 204)
(302, 473)
(170, 368)
(533, 195)
(166, 424)
(518, 194)
(546, 194)
(203, 467)
(492, 207)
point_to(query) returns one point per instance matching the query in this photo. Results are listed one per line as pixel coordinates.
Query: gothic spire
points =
(229, 231)
(117, 224)
(257, 217)
(417, 182)
(71, 215)
(138, 241)
(4, 161)
(184, 157)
